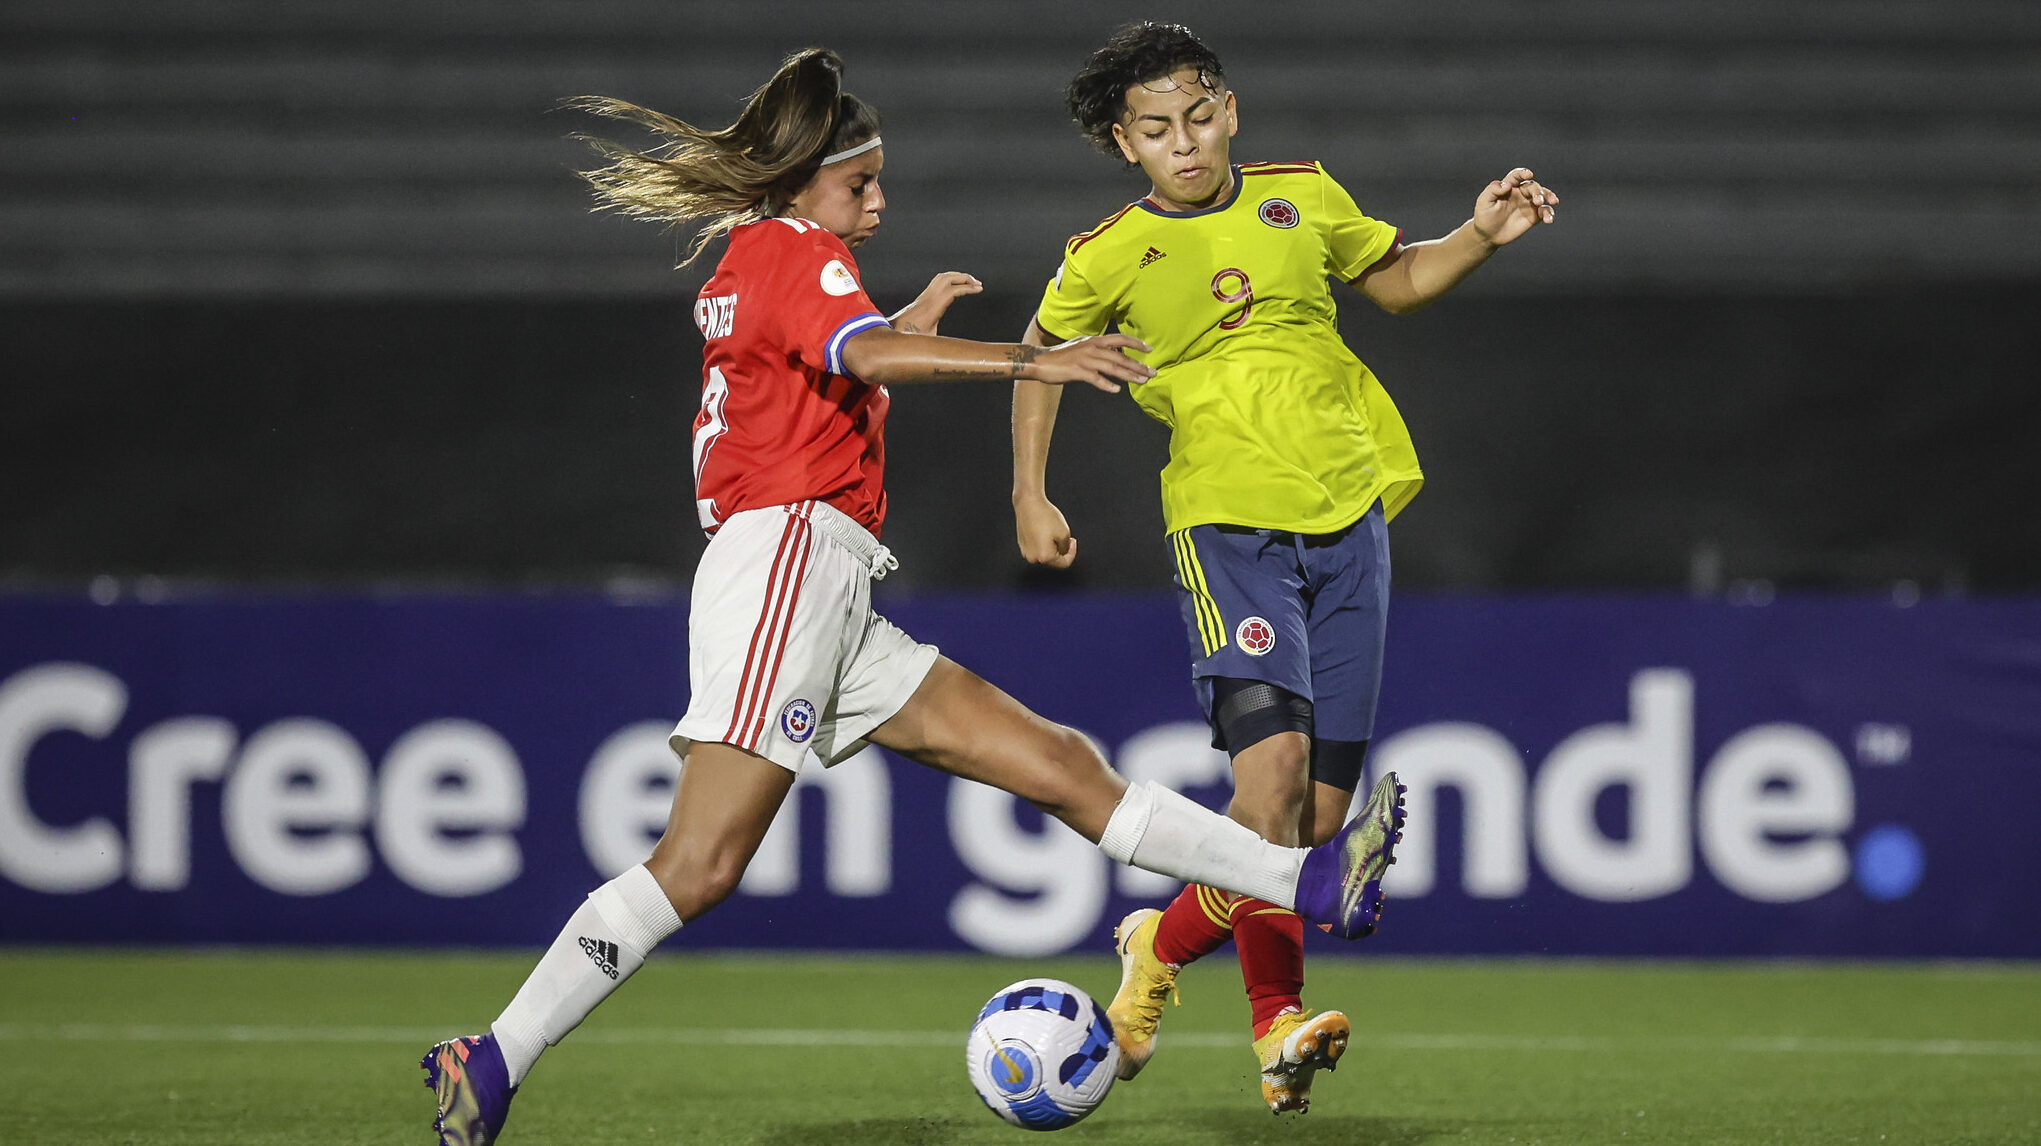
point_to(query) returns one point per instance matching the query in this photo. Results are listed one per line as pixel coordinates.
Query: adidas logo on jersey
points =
(603, 952)
(1153, 255)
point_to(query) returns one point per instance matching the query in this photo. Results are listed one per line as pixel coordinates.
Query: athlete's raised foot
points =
(469, 1078)
(1340, 886)
(1297, 1046)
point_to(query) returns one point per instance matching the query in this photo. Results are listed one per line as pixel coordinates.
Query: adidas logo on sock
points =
(603, 952)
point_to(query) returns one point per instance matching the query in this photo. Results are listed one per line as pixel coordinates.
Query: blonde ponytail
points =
(745, 172)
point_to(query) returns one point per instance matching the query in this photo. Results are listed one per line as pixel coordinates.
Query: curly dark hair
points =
(1134, 54)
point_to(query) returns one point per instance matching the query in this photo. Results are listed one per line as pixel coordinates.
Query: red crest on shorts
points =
(1255, 636)
(1279, 213)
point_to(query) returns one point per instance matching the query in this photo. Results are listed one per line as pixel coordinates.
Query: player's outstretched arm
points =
(1039, 526)
(1414, 276)
(883, 356)
(922, 315)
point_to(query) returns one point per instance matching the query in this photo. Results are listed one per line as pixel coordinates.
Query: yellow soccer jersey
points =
(1273, 423)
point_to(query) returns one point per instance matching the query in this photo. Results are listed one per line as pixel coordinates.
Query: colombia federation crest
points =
(1279, 213)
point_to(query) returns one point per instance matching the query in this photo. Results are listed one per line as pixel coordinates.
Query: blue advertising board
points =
(1589, 775)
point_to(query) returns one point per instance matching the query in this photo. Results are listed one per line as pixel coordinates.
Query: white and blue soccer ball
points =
(1042, 1054)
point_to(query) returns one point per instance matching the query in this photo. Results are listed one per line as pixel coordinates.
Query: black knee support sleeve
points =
(1247, 712)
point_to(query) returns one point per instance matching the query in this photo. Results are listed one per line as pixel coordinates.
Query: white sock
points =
(605, 941)
(1165, 831)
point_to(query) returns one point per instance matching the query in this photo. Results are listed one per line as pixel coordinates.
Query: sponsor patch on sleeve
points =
(837, 279)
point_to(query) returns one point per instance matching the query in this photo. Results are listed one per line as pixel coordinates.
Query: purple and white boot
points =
(1340, 888)
(473, 1085)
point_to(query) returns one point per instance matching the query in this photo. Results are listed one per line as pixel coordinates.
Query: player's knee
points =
(1271, 785)
(720, 876)
(696, 878)
(1277, 768)
(1289, 758)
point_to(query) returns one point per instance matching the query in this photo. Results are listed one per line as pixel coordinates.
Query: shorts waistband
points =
(1330, 538)
(855, 539)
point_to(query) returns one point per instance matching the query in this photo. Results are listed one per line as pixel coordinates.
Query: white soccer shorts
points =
(785, 654)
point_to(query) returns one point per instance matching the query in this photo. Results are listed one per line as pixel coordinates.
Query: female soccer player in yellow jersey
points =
(1286, 460)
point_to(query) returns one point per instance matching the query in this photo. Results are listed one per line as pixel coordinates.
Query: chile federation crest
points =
(797, 720)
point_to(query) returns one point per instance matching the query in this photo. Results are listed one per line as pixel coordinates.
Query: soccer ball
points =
(1042, 1054)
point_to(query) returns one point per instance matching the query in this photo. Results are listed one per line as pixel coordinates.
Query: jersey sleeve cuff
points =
(1395, 245)
(1053, 337)
(832, 354)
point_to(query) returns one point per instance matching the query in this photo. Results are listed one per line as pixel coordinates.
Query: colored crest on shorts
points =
(1255, 636)
(797, 720)
(1279, 213)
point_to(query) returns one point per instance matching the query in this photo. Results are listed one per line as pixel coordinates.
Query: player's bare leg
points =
(1271, 785)
(723, 804)
(959, 723)
(1325, 812)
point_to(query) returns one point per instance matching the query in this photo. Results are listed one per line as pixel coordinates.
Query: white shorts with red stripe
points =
(785, 655)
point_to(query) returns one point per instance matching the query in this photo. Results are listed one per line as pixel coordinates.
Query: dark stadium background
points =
(307, 295)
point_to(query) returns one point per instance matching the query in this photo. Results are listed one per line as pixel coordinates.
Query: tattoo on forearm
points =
(906, 328)
(1019, 357)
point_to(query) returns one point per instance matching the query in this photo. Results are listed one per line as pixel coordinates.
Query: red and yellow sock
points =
(1270, 940)
(1195, 924)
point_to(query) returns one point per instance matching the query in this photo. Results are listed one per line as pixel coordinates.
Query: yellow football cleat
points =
(1297, 1046)
(1144, 982)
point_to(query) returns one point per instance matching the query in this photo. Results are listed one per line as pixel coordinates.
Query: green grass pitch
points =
(263, 1047)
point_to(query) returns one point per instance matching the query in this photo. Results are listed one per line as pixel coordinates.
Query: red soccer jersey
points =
(781, 421)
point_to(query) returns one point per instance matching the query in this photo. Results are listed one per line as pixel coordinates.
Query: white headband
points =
(849, 152)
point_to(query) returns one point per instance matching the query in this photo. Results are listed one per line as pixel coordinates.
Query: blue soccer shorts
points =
(1305, 612)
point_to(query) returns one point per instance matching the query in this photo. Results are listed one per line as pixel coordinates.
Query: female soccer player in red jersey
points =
(1286, 460)
(786, 655)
